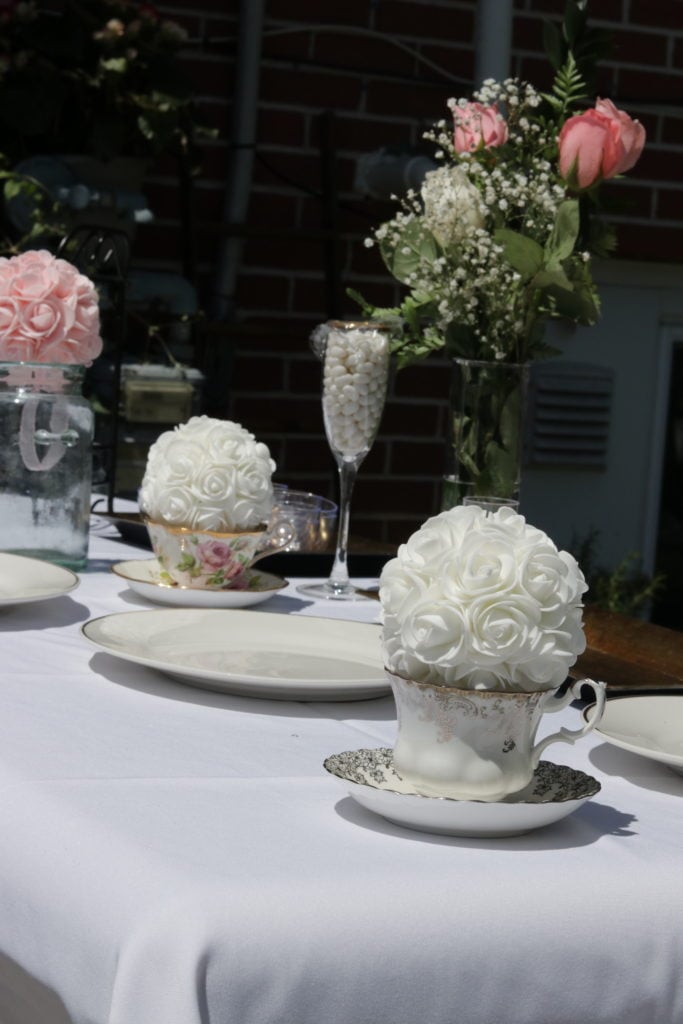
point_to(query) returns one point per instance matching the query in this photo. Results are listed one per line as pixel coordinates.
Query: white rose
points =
(544, 671)
(485, 564)
(554, 579)
(403, 662)
(435, 632)
(174, 504)
(207, 517)
(244, 516)
(503, 629)
(214, 484)
(482, 679)
(429, 547)
(400, 590)
(452, 205)
(181, 460)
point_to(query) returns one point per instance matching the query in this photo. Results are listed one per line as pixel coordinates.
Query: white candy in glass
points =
(354, 381)
(355, 358)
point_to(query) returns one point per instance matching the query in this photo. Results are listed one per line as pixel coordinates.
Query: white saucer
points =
(369, 777)
(646, 724)
(25, 579)
(144, 577)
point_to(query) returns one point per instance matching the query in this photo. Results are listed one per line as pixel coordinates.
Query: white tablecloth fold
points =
(174, 856)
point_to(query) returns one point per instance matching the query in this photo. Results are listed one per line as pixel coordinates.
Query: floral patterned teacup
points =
(211, 560)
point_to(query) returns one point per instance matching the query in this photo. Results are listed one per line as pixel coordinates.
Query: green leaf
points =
(461, 341)
(565, 231)
(568, 87)
(522, 253)
(13, 189)
(553, 44)
(468, 462)
(119, 65)
(365, 306)
(414, 245)
(499, 475)
(574, 21)
(575, 304)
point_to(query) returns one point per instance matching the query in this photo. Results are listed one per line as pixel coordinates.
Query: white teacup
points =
(476, 744)
(213, 560)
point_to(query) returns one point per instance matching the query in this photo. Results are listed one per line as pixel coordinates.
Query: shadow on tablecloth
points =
(25, 1000)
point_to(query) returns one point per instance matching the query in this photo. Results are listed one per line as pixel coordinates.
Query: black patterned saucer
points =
(554, 792)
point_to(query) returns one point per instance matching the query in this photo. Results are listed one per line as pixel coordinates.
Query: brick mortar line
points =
(280, 108)
(659, 222)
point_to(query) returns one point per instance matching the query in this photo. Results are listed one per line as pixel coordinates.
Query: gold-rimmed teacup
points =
(212, 559)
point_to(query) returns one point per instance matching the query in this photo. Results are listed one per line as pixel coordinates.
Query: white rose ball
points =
(208, 474)
(482, 600)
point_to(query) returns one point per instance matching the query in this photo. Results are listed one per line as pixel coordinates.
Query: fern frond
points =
(568, 88)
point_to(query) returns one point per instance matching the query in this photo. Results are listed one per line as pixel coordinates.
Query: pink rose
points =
(477, 125)
(599, 144)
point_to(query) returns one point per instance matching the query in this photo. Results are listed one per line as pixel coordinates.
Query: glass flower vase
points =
(47, 430)
(485, 432)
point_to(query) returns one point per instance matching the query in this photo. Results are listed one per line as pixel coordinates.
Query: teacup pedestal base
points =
(475, 744)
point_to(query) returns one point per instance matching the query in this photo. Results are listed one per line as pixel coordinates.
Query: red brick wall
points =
(370, 93)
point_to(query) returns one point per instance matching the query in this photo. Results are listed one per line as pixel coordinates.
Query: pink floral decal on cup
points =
(217, 559)
(214, 561)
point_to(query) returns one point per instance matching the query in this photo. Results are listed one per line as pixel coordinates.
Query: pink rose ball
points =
(49, 312)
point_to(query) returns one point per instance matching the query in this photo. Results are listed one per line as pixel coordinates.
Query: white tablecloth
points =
(170, 855)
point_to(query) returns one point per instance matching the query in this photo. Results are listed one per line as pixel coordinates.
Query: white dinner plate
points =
(252, 653)
(143, 576)
(25, 579)
(369, 777)
(647, 724)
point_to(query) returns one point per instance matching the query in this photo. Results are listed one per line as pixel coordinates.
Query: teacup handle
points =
(278, 535)
(565, 735)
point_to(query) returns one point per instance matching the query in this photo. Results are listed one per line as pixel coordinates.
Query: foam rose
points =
(208, 474)
(49, 312)
(482, 601)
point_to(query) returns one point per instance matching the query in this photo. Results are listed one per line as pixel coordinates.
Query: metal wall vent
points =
(569, 413)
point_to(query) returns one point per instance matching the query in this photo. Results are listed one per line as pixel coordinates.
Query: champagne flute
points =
(355, 357)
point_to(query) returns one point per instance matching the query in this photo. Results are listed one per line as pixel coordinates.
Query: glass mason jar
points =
(47, 430)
